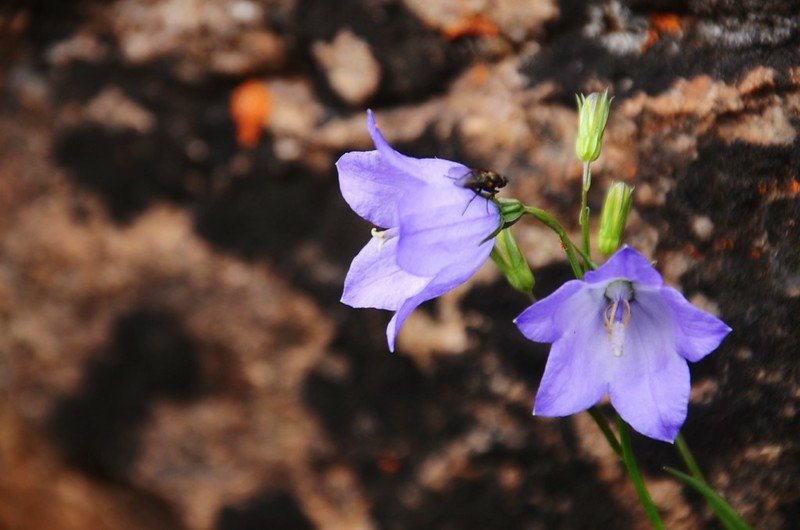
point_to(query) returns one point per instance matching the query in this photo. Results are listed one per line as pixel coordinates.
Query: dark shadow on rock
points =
(416, 61)
(720, 42)
(500, 305)
(386, 417)
(149, 357)
(749, 267)
(48, 21)
(517, 489)
(290, 217)
(128, 169)
(271, 510)
(170, 160)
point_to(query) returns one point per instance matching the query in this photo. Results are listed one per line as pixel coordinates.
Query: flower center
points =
(617, 314)
(383, 235)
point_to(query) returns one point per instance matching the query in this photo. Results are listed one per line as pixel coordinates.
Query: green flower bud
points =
(509, 259)
(612, 219)
(510, 211)
(592, 116)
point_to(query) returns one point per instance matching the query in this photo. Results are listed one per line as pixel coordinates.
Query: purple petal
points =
(443, 226)
(538, 322)
(430, 170)
(445, 281)
(375, 280)
(626, 263)
(699, 333)
(576, 374)
(649, 383)
(373, 187)
(373, 182)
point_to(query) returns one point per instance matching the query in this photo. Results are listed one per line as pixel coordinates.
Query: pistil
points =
(617, 314)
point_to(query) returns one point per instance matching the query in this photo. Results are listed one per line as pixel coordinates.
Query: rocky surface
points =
(172, 350)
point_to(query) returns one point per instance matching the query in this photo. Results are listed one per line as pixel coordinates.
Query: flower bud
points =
(510, 211)
(613, 217)
(509, 259)
(592, 116)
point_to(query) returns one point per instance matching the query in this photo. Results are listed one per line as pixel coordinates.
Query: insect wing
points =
(461, 176)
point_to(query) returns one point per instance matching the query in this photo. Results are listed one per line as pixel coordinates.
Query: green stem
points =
(688, 458)
(566, 243)
(601, 422)
(583, 216)
(587, 261)
(636, 477)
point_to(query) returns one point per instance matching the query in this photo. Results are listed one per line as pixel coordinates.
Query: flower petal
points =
(445, 281)
(699, 332)
(537, 322)
(373, 187)
(442, 226)
(576, 374)
(649, 383)
(626, 263)
(375, 280)
(430, 170)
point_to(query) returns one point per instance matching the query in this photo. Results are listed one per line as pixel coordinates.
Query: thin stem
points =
(601, 422)
(688, 458)
(566, 243)
(636, 477)
(583, 216)
(587, 261)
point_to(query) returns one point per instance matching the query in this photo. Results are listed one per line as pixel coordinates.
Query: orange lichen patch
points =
(666, 23)
(793, 188)
(661, 24)
(250, 107)
(762, 189)
(475, 25)
(726, 243)
(389, 464)
(754, 253)
(693, 253)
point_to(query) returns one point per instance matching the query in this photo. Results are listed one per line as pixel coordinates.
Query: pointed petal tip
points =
(540, 410)
(662, 433)
(666, 437)
(391, 332)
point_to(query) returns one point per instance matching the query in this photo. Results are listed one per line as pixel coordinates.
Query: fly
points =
(484, 182)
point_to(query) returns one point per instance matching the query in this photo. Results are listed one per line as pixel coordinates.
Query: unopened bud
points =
(612, 219)
(509, 259)
(510, 211)
(592, 116)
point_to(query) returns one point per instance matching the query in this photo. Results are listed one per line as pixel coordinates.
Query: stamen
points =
(383, 235)
(616, 318)
(617, 314)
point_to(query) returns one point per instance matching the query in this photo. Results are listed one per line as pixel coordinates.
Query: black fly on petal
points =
(484, 182)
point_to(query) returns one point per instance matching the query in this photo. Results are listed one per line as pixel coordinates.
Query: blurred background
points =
(173, 353)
